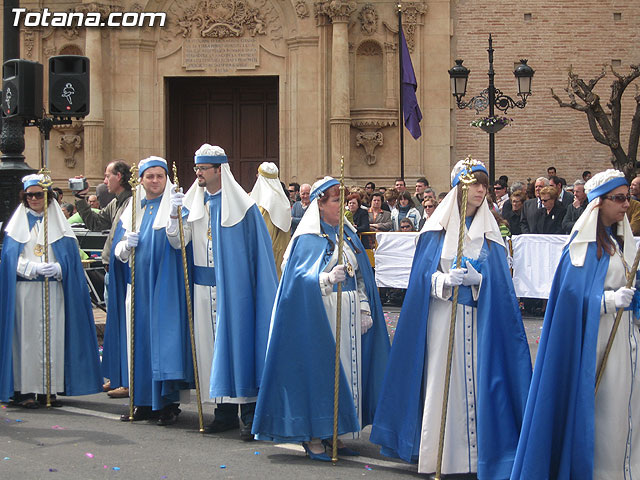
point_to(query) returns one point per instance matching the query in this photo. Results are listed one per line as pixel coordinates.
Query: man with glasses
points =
(235, 283)
(502, 195)
(294, 192)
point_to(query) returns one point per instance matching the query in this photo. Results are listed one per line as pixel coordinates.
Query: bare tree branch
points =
(634, 133)
(573, 104)
(593, 126)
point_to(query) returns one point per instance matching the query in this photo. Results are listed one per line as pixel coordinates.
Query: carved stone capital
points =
(96, 7)
(369, 140)
(412, 16)
(338, 10)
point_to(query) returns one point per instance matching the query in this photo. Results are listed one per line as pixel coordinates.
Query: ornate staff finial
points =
(467, 178)
(176, 182)
(134, 181)
(46, 181)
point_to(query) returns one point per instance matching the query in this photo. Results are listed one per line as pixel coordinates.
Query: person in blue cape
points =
(235, 282)
(75, 363)
(569, 430)
(491, 366)
(162, 351)
(295, 403)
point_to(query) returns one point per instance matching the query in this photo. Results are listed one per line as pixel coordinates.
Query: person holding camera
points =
(116, 177)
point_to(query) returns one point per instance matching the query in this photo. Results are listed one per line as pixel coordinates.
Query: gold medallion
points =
(350, 269)
(38, 250)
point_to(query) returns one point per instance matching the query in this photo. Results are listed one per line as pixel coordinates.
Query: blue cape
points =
(163, 363)
(557, 431)
(81, 358)
(114, 365)
(503, 364)
(295, 402)
(246, 282)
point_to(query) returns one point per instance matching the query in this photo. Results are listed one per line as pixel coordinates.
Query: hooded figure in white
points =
(275, 208)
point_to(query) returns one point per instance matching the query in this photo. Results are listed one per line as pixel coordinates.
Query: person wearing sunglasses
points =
(75, 364)
(569, 430)
(548, 219)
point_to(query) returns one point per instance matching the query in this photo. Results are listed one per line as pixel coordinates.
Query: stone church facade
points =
(302, 83)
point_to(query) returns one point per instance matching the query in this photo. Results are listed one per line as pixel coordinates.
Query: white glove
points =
(623, 296)
(366, 322)
(454, 277)
(40, 268)
(472, 277)
(51, 270)
(176, 201)
(337, 274)
(131, 240)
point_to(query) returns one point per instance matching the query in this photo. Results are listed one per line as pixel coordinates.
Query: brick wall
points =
(552, 36)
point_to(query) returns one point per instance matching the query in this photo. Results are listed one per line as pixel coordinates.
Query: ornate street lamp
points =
(491, 97)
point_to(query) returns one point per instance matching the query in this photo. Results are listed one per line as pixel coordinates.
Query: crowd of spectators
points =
(546, 205)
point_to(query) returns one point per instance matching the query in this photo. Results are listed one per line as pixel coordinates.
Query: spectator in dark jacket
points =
(359, 215)
(548, 219)
(513, 215)
(576, 208)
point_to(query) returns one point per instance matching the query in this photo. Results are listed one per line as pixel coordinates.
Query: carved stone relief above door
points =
(202, 27)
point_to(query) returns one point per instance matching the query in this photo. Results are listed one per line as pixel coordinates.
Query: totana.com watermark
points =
(46, 18)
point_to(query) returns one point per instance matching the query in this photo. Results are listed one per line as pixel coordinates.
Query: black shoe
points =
(169, 415)
(245, 432)
(53, 400)
(218, 426)
(140, 413)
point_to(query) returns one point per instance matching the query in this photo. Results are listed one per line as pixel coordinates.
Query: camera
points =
(78, 184)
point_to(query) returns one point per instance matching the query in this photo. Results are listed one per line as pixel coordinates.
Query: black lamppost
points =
(491, 97)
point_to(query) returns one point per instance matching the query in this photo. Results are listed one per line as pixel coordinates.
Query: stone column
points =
(340, 120)
(94, 162)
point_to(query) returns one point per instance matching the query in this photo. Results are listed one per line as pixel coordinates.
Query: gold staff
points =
(631, 276)
(133, 181)
(336, 380)
(187, 290)
(466, 180)
(45, 183)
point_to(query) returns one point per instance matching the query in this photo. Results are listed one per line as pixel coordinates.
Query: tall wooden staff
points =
(631, 277)
(465, 180)
(187, 290)
(45, 183)
(336, 379)
(133, 181)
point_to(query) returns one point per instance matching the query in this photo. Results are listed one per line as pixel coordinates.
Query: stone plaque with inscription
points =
(220, 55)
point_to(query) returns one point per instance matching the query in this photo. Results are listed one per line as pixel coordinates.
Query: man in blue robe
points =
(162, 353)
(235, 283)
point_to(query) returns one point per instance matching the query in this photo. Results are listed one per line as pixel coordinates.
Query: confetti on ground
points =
(53, 469)
(19, 420)
(367, 467)
(116, 469)
(4, 406)
(6, 458)
(256, 453)
(104, 466)
(90, 455)
(223, 466)
(57, 427)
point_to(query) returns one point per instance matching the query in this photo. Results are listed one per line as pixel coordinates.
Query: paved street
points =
(85, 439)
